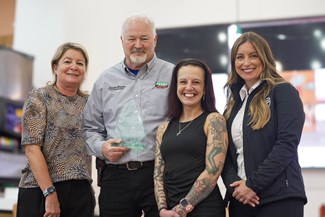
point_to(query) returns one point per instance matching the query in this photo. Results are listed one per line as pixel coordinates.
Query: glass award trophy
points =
(130, 128)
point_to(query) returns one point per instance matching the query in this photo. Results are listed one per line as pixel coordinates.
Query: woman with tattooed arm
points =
(191, 146)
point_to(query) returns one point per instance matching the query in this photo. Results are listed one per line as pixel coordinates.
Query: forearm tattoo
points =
(216, 150)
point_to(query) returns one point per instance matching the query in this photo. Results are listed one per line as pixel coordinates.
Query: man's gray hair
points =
(141, 17)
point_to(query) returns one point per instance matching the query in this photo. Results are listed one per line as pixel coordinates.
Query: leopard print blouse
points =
(54, 122)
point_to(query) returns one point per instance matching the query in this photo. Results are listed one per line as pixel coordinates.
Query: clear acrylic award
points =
(130, 128)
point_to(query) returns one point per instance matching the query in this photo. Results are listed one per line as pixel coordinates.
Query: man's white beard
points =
(138, 60)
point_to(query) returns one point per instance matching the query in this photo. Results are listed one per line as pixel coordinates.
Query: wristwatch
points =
(186, 205)
(49, 190)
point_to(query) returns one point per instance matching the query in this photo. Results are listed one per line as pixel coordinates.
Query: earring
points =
(203, 98)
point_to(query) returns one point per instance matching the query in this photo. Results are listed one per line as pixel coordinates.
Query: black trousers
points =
(76, 199)
(127, 193)
(292, 207)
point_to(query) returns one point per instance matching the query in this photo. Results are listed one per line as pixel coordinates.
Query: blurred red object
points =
(322, 211)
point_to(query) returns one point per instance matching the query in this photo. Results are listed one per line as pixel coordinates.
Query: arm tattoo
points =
(159, 171)
(218, 129)
(217, 143)
(214, 169)
(200, 190)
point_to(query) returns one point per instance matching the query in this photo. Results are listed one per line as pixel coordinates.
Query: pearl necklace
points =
(180, 130)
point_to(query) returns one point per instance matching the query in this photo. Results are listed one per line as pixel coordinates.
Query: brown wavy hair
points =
(258, 109)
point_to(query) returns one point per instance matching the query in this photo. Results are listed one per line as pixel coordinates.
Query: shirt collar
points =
(244, 92)
(151, 63)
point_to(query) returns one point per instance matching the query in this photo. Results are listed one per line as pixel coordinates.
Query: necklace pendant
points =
(180, 129)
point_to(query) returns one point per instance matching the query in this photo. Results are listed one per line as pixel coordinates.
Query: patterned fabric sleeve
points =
(34, 119)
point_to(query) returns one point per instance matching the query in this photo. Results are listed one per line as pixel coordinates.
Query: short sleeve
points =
(33, 119)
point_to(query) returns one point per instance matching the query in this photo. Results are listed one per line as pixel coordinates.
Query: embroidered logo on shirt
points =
(116, 88)
(268, 101)
(161, 84)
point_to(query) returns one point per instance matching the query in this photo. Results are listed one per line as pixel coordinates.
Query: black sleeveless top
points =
(184, 158)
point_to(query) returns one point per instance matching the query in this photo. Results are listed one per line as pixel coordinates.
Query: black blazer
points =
(270, 154)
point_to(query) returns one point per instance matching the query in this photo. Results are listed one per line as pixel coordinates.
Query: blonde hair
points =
(58, 55)
(258, 109)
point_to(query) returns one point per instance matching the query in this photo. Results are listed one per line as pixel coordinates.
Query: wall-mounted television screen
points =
(207, 43)
(13, 115)
(299, 48)
(12, 158)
